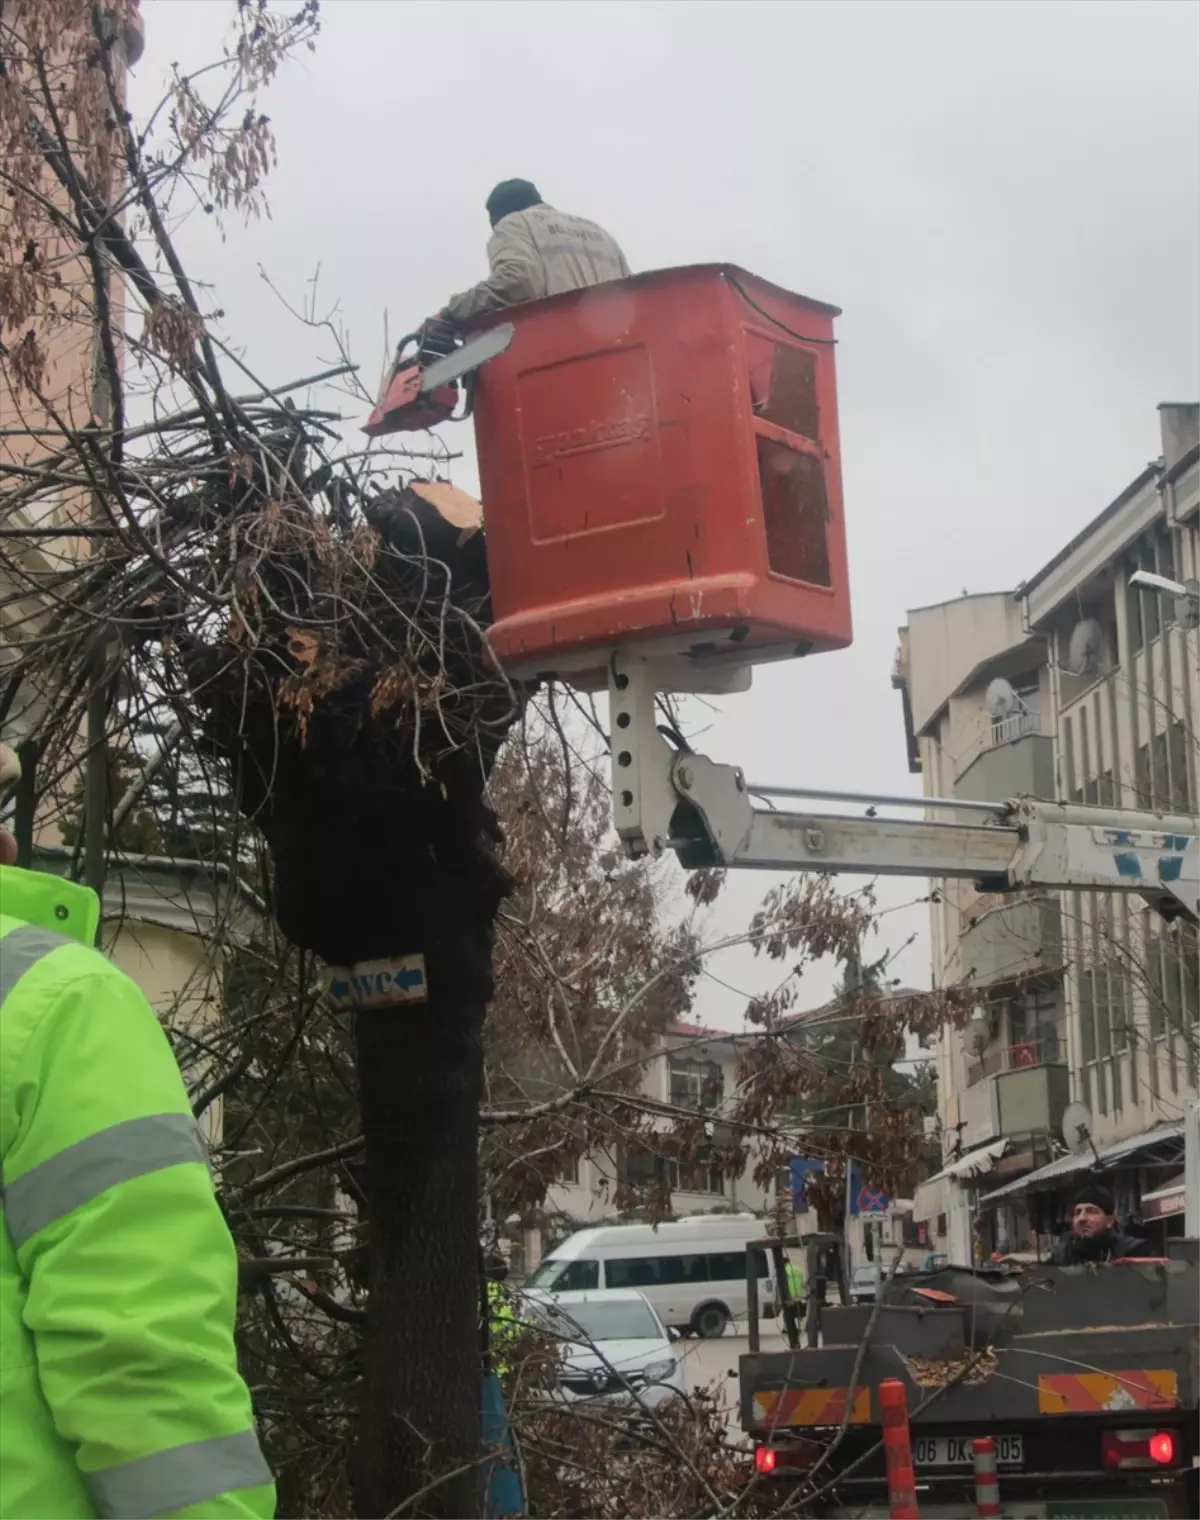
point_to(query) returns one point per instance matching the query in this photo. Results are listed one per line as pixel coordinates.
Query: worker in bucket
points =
(1093, 1236)
(534, 251)
(118, 1276)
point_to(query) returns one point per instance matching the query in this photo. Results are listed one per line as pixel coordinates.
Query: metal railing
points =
(1015, 726)
(1045, 1050)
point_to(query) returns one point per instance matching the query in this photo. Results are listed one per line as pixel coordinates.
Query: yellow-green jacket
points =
(118, 1277)
(503, 1325)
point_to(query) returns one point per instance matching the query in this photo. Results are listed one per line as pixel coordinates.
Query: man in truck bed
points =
(1093, 1235)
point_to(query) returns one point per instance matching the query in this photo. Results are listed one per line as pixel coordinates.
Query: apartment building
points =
(1081, 996)
(164, 922)
(33, 556)
(691, 1068)
(70, 341)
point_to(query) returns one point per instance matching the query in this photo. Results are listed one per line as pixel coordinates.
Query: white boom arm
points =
(667, 797)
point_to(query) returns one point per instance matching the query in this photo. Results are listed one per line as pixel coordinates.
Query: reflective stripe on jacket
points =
(540, 252)
(118, 1277)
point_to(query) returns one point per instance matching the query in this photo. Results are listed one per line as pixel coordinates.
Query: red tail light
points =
(1138, 1448)
(796, 1454)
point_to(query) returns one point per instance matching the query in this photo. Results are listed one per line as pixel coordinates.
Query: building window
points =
(567, 1170)
(1181, 791)
(1069, 782)
(643, 1169)
(696, 1084)
(1148, 610)
(695, 1177)
(1174, 985)
(1087, 1018)
(1145, 788)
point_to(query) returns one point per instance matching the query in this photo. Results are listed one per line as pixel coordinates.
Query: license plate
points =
(1105, 1509)
(955, 1451)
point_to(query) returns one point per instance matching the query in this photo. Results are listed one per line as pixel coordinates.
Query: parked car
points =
(862, 1284)
(692, 1270)
(614, 1346)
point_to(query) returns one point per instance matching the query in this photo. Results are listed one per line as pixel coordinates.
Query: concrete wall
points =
(1021, 767)
(948, 642)
(182, 982)
(1032, 1100)
(1013, 939)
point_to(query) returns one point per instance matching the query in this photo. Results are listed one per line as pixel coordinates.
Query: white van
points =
(692, 1270)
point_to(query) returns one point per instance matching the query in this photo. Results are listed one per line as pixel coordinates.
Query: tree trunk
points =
(421, 1073)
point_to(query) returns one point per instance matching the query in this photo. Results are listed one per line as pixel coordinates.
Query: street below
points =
(715, 1362)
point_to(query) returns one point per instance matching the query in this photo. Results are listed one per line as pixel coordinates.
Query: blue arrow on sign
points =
(378, 984)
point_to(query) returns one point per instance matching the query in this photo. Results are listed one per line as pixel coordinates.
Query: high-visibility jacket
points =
(118, 1278)
(795, 1281)
(502, 1325)
(540, 252)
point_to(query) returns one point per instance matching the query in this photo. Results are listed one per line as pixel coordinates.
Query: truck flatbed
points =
(1047, 1360)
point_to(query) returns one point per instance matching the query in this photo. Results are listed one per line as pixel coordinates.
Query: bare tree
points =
(267, 650)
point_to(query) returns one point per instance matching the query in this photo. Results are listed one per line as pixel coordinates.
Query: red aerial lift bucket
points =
(660, 467)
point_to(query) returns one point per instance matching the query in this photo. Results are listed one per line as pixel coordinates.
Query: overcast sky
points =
(1003, 198)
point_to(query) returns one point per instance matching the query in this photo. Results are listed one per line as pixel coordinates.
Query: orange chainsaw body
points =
(403, 409)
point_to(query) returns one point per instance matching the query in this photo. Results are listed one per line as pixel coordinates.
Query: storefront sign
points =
(1164, 1205)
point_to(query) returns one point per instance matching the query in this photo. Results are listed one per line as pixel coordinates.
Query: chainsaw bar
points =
(473, 353)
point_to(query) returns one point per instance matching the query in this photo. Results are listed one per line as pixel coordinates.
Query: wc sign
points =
(378, 984)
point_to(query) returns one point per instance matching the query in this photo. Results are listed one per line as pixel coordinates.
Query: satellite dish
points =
(976, 1034)
(1077, 1128)
(1086, 649)
(1000, 700)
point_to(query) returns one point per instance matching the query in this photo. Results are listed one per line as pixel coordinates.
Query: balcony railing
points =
(1046, 1050)
(1015, 726)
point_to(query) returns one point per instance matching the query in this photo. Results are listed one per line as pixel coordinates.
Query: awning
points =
(975, 1163)
(1165, 1201)
(1106, 1156)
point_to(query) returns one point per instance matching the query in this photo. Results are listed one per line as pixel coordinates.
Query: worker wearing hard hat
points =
(118, 1276)
(534, 251)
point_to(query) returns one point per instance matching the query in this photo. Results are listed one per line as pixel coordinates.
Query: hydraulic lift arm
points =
(665, 796)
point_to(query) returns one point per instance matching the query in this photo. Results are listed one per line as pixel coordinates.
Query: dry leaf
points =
(302, 646)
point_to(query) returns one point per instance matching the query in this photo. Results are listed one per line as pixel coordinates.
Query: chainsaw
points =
(422, 388)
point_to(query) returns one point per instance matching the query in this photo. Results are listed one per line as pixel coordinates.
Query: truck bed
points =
(1056, 1355)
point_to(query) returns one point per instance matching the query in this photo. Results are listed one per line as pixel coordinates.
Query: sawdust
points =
(931, 1374)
